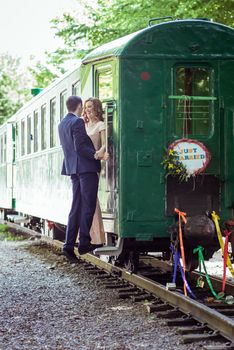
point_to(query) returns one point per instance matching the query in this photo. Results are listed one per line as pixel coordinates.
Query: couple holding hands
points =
(82, 136)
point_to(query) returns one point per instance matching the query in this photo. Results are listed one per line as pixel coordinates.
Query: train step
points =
(110, 250)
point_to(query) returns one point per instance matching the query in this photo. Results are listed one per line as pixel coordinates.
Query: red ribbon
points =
(225, 255)
(50, 224)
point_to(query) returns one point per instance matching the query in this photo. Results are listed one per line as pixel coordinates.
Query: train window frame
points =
(98, 71)
(29, 134)
(76, 88)
(22, 137)
(17, 140)
(191, 101)
(62, 103)
(1, 148)
(4, 147)
(53, 130)
(43, 126)
(36, 131)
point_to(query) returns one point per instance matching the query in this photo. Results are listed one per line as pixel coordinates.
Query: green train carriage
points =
(170, 81)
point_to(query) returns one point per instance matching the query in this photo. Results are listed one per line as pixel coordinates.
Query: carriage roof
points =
(121, 46)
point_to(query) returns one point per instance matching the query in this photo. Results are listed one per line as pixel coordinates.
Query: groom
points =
(82, 165)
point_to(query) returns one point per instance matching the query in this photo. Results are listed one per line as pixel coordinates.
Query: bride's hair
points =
(97, 106)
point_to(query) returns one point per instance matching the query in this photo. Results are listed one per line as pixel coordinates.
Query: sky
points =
(25, 26)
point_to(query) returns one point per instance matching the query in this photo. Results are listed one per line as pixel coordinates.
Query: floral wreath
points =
(174, 167)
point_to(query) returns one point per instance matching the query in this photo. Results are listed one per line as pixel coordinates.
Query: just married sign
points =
(192, 154)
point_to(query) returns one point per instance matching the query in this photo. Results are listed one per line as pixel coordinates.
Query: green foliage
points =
(100, 21)
(3, 228)
(42, 75)
(111, 19)
(8, 236)
(14, 89)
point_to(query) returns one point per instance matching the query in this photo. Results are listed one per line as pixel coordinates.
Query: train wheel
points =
(113, 260)
(191, 260)
(131, 261)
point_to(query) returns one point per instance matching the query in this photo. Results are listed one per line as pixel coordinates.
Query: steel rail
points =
(200, 312)
(196, 310)
(193, 275)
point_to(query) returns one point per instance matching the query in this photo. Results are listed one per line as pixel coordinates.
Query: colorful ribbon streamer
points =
(177, 257)
(201, 261)
(182, 216)
(215, 218)
(225, 255)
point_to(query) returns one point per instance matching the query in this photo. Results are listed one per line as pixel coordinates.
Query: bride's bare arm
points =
(101, 153)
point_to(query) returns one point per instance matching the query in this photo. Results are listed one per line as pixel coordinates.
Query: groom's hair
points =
(73, 102)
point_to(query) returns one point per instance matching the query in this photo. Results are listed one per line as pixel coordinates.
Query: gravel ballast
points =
(48, 303)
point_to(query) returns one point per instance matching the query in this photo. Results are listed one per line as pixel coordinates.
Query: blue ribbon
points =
(177, 257)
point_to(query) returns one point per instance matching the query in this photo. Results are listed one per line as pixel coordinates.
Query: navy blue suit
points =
(79, 163)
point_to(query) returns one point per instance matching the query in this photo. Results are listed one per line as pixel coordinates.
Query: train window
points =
(193, 100)
(1, 145)
(76, 88)
(63, 98)
(35, 131)
(29, 134)
(17, 140)
(22, 137)
(104, 84)
(4, 147)
(43, 127)
(53, 128)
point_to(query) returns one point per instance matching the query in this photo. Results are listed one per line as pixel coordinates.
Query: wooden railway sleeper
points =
(105, 276)
(97, 272)
(126, 295)
(143, 297)
(185, 320)
(90, 268)
(194, 330)
(115, 281)
(159, 307)
(227, 312)
(226, 346)
(128, 290)
(169, 314)
(212, 335)
(115, 285)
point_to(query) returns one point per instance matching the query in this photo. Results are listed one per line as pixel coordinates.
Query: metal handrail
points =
(192, 98)
(158, 19)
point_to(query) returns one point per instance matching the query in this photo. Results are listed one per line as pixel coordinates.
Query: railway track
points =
(196, 320)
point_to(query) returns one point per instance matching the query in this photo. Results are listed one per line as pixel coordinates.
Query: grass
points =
(5, 235)
(3, 228)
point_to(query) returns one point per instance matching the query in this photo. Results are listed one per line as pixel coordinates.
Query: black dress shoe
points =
(70, 255)
(87, 248)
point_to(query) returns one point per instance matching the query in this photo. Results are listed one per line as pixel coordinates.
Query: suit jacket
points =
(78, 148)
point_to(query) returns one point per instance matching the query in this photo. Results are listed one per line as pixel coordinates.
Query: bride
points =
(96, 130)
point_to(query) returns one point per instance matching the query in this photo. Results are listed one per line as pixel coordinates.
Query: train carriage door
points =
(194, 114)
(227, 130)
(107, 184)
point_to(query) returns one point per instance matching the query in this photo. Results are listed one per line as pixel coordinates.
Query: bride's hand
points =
(99, 154)
(105, 156)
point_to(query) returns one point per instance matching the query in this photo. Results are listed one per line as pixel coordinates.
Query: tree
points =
(14, 86)
(43, 74)
(111, 19)
(100, 21)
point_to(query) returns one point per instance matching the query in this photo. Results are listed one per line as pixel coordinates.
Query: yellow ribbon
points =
(216, 219)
